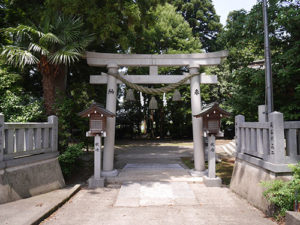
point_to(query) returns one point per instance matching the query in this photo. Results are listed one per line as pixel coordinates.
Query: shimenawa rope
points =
(153, 91)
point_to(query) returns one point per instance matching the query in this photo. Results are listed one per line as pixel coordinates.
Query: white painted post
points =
(1, 136)
(54, 133)
(276, 135)
(97, 157)
(199, 161)
(109, 142)
(238, 133)
(211, 156)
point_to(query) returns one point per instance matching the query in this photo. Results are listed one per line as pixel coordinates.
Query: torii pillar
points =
(109, 141)
(193, 61)
(199, 160)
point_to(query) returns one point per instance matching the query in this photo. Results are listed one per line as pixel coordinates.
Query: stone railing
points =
(271, 145)
(23, 140)
(292, 137)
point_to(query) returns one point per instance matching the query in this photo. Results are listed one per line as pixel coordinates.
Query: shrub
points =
(69, 158)
(282, 194)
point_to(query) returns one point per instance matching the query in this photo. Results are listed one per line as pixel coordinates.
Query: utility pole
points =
(268, 69)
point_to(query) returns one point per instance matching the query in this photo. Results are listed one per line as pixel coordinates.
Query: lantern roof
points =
(98, 108)
(214, 106)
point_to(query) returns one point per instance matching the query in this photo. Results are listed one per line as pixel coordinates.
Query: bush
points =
(69, 158)
(283, 194)
(16, 103)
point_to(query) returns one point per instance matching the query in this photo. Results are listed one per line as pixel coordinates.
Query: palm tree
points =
(52, 48)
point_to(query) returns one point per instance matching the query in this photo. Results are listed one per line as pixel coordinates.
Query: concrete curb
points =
(35, 209)
(292, 218)
(47, 213)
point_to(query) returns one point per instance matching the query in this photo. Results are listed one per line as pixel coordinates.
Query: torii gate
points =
(193, 61)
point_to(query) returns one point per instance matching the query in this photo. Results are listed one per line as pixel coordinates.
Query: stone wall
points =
(246, 182)
(30, 178)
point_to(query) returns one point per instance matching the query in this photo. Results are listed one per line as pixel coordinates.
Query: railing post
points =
(262, 116)
(1, 136)
(54, 132)
(238, 137)
(276, 135)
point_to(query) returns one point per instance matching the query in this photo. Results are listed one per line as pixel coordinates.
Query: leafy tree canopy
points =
(243, 37)
(202, 17)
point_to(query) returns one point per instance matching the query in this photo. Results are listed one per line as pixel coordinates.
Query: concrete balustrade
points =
(28, 159)
(272, 145)
(264, 151)
(26, 139)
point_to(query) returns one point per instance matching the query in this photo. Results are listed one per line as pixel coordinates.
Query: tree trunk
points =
(60, 82)
(49, 73)
(48, 93)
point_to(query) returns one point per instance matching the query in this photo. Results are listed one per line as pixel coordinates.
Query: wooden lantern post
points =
(97, 120)
(212, 115)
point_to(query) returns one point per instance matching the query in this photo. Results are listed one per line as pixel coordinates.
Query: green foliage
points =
(69, 158)
(60, 40)
(71, 127)
(282, 194)
(17, 104)
(202, 18)
(117, 24)
(168, 33)
(243, 37)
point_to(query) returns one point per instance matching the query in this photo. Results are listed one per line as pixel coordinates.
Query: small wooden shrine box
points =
(97, 116)
(212, 115)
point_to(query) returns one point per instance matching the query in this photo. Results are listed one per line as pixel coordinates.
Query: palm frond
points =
(64, 56)
(22, 32)
(68, 28)
(18, 57)
(50, 38)
(85, 40)
(38, 49)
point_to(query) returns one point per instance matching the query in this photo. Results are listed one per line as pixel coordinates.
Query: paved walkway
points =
(155, 188)
(32, 210)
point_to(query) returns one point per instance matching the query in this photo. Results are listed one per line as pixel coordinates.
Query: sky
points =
(223, 7)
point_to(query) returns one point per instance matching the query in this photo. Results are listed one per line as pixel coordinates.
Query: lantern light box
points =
(212, 115)
(97, 116)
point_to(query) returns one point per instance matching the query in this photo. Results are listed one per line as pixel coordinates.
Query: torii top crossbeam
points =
(153, 61)
(194, 59)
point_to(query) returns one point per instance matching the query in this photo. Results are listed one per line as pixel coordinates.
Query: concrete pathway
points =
(115, 206)
(33, 210)
(153, 187)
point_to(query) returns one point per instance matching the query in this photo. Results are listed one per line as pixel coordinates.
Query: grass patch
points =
(223, 169)
(188, 162)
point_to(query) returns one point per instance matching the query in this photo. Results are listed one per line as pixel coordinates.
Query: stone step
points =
(140, 172)
(229, 149)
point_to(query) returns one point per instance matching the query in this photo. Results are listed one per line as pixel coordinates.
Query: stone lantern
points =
(97, 120)
(212, 115)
